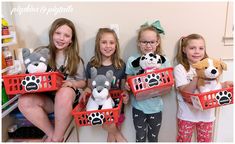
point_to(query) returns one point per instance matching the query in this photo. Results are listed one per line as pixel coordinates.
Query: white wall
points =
(177, 18)
(225, 121)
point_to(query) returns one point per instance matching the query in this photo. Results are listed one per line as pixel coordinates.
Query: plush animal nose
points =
(213, 71)
(151, 59)
(36, 64)
(99, 89)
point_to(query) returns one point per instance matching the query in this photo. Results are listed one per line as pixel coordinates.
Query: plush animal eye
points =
(142, 58)
(216, 67)
(205, 67)
(151, 54)
(159, 61)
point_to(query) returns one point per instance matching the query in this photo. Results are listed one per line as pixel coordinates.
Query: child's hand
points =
(67, 83)
(125, 96)
(227, 84)
(82, 97)
(127, 87)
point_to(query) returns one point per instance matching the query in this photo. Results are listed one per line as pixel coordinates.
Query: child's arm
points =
(75, 84)
(125, 92)
(85, 92)
(191, 87)
(127, 87)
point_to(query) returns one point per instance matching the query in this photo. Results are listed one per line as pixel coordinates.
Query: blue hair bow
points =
(156, 25)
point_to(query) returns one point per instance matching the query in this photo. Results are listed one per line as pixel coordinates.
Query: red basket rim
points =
(36, 74)
(206, 93)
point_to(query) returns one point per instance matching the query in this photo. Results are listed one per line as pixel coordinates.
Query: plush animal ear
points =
(162, 58)
(136, 62)
(109, 75)
(93, 72)
(45, 53)
(223, 65)
(197, 65)
(25, 53)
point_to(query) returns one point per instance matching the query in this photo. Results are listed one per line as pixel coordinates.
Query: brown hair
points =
(96, 60)
(181, 57)
(71, 53)
(151, 28)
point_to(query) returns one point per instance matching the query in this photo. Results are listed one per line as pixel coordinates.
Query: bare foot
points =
(119, 137)
(48, 139)
(57, 140)
(111, 138)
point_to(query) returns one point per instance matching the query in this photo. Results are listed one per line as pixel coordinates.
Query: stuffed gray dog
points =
(100, 91)
(36, 61)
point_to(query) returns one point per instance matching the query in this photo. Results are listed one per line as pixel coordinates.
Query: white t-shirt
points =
(185, 110)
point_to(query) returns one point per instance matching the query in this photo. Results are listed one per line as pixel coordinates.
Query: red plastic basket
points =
(151, 84)
(31, 83)
(98, 117)
(210, 99)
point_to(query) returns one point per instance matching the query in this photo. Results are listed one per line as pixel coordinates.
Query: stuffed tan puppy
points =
(208, 71)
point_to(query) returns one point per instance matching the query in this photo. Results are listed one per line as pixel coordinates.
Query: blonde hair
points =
(151, 28)
(181, 57)
(71, 53)
(96, 60)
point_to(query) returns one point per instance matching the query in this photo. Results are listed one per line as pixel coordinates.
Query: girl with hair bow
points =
(147, 114)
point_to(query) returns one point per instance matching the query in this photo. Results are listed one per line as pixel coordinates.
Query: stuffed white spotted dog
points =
(148, 62)
(100, 91)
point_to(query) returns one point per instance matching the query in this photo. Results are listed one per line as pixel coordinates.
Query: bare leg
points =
(112, 129)
(111, 137)
(63, 107)
(35, 108)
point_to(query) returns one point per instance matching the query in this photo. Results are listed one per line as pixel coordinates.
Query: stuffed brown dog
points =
(208, 71)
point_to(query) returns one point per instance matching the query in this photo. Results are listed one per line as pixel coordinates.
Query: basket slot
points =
(165, 77)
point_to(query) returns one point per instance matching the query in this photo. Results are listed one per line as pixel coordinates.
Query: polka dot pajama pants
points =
(186, 128)
(146, 124)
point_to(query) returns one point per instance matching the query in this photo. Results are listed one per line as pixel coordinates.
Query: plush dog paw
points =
(96, 118)
(153, 79)
(223, 97)
(31, 83)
